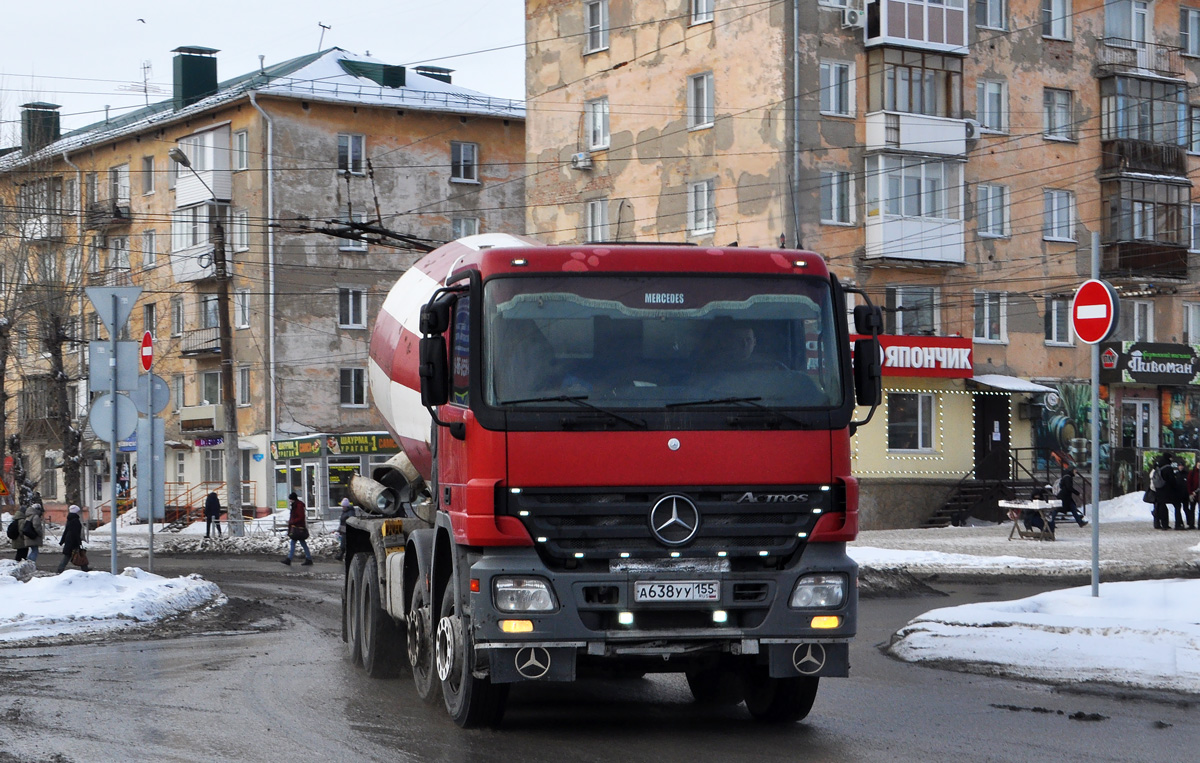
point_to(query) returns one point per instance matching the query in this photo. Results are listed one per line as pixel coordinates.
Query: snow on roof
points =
(1009, 383)
(314, 77)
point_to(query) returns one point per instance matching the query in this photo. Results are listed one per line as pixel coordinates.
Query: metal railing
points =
(1119, 55)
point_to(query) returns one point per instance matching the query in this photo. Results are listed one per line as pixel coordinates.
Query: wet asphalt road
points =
(268, 679)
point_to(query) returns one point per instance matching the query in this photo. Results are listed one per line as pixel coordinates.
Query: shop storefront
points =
(319, 467)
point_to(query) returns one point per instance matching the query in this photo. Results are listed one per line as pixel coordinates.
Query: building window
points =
(911, 310)
(990, 316)
(352, 244)
(700, 101)
(352, 308)
(910, 421)
(1137, 210)
(990, 14)
(70, 197)
(190, 226)
(149, 249)
(1191, 323)
(241, 309)
(1056, 114)
(147, 175)
(914, 83)
(210, 388)
(118, 184)
(212, 465)
(1143, 320)
(209, 311)
(93, 326)
(597, 123)
(177, 390)
(150, 319)
(1193, 139)
(992, 205)
(595, 19)
(464, 162)
(702, 11)
(48, 484)
(198, 147)
(240, 237)
(991, 105)
(702, 215)
(835, 198)
(1058, 320)
(118, 253)
(1057, 222)
(837, 88)
(353, 387)
(596, 214)
(913, 187)
(1127, 21)
(351, 150)
(177, 316)
(460, 227)
(1056, 19)
(241, 150)
(1146, 110)
(172, 175)
(243, 386)
(91, 188)
(1195, 237)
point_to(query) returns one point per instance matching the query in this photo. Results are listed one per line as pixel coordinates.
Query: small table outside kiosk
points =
(1016, 512)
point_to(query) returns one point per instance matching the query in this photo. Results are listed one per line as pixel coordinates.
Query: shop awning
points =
(243, 445)
(1008, 383)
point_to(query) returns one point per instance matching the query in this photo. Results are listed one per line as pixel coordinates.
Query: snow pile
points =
(22, 571)
(1124, 508)
(934, 561)
(77, 602)
(1143, 634)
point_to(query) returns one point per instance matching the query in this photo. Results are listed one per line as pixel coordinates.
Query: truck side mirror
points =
(434, 370)
(435, 316)
(868, 369)
(868, 319)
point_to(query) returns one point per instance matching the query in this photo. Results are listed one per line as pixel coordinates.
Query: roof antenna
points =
(322, 40)
(261, 69)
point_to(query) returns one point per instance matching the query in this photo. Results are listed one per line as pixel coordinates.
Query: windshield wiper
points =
(580, 400)
(751, 401)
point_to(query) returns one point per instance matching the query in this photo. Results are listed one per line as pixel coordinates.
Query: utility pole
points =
(233, 460)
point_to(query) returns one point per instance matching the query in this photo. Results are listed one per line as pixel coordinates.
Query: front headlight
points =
(512, 594)
(819, 592)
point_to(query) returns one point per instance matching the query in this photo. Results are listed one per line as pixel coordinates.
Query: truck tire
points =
(715, 686)
(381, 652)
(350, 608)
(778, 700)
(472, 702)
(420, 644)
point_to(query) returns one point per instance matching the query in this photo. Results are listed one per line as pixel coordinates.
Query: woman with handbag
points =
(297, 528)
(33, 530)
(72, 541)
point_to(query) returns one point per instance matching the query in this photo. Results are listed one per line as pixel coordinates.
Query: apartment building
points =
(953, 158)
(329, 174)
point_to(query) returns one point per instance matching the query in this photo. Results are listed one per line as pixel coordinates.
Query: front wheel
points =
(778, 700)
(470, 701)
(420, 644)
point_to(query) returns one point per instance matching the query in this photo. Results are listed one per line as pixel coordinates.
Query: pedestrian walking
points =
(72, 539)
(1067, 492)
(18, 541)
(212, 514)
(347, 512)
(33, 529)
(1159, 483)
(298, 530)
(1179, 493)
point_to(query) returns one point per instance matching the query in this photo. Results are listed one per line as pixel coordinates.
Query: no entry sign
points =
(1094, 311)
(147, 351)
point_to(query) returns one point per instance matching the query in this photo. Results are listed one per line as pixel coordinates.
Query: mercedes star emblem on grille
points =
(532, 661)
(808, 658)
(674, 520)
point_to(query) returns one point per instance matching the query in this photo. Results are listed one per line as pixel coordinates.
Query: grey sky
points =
(85, 55)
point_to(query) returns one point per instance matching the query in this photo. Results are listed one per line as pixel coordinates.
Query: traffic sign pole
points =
(113, 330)
(147, 362)
(1095, 413)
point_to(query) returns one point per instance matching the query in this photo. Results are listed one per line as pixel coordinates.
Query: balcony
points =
(106, 214)
(937, 26)
(198, 341)
(926, 240)
(1120, 56)
(110, 277)
(198, 420)
(1144, 259)
(896, 131)
(189, 190)
(1127, 155)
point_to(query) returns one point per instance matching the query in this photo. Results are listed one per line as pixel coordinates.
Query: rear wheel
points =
(351, 606)
(778, 700)
(471, 701)
(380, 636)
(420, 644)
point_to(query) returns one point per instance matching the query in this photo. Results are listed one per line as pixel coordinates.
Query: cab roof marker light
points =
(824, 488)
(520, 262)
(625, 618)
(515, 490)
(800, 263)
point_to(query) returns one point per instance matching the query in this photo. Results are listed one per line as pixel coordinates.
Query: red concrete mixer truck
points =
(617, 459)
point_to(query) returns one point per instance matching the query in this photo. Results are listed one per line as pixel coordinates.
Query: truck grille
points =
(607, 525)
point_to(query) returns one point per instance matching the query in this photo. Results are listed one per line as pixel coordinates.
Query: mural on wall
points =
(1063, 435)
(1180, 414)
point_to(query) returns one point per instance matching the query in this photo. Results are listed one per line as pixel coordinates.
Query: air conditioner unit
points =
(972, 129)
(853, 18)
(581, 161)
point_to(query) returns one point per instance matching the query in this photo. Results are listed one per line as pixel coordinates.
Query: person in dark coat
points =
(212, 514)
(1067, 492)
(19, 542)
(1178, 494)
(72, 538)
(347, 512)
(1193, 490)
(297, 527)
(34, 519)
(1161, 482)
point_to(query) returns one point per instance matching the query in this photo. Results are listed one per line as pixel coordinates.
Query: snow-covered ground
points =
(77, 602)
(1142, 634)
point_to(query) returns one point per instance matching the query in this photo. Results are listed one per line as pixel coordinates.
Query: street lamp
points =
(233, 476)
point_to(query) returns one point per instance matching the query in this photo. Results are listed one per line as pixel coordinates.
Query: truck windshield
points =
(650, 342)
